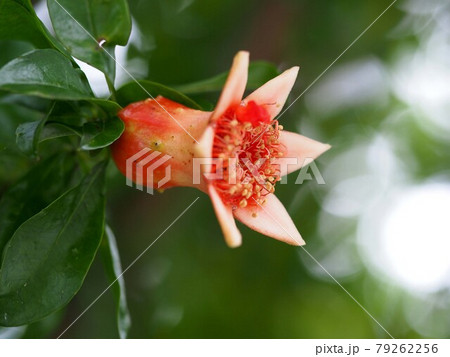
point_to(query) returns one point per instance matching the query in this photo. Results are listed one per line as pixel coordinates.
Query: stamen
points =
(243, 203)
(246, 134)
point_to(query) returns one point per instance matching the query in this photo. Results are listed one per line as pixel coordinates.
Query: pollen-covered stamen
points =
(248, 140)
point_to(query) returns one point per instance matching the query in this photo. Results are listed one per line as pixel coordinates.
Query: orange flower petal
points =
(274, 93)
(204, 146)
(225, 216)
(270, 219)
(234, 87)
(304, 149)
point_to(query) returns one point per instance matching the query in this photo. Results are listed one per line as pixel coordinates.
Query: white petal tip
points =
(234, 87)
(275, 91)
(272, 220)
(233, 237)
(325, 148)
(298, 242)
(242, 54)
(291, 237)
(293, 70)
(290, 75)
(234, 243)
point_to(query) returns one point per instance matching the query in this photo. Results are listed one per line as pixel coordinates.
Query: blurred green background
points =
(380, 223)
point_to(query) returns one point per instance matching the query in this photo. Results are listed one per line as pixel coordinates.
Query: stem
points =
(111, 88)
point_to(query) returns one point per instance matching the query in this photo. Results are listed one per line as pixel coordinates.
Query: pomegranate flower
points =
(242, 134)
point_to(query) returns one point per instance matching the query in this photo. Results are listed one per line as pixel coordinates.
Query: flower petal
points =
(303, 149)
(274, 93)
(270, 219)
(203, 147)
(234, 87)
(225, 216)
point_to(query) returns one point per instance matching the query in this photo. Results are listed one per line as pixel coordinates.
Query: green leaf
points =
(140, 90)
(259, 72)
(49, 255)
(58, 130)
(72, 113)
(28, 134)
(84, 25)
(100, 135)
(12, 332)
(37, 189)
(45, 327)
(77, 113)
(12, 115)
(113, 268)
(12, 49)
(13, 163)
(40, 329)
(44, 73)
(108, 106)
(94, 121)
(18, 21)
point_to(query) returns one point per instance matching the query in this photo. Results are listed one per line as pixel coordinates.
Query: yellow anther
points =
(243, 203)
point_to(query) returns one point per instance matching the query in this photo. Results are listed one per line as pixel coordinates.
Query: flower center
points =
(247, 141)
